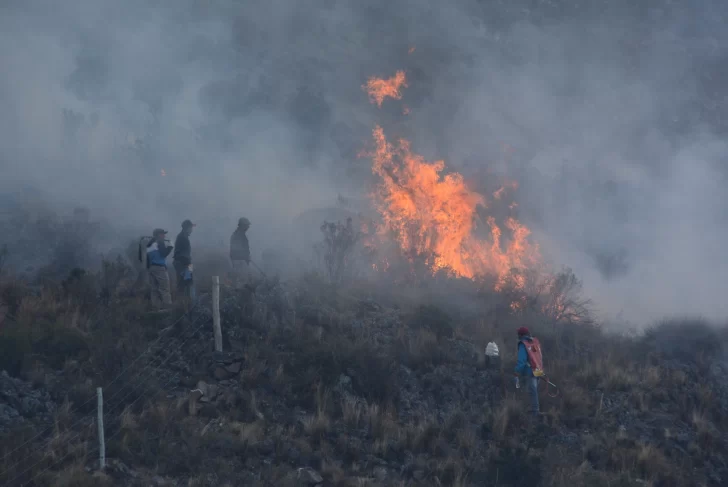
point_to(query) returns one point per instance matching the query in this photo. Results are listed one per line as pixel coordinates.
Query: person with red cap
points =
(524, 368)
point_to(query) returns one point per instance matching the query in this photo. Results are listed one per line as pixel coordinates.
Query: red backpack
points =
(535, 359)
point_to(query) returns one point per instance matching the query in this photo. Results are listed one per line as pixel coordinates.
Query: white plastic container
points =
(492, 356)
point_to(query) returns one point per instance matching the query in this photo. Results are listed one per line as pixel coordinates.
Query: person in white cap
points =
(157, 252)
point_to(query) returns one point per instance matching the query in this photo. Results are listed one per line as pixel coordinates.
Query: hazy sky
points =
(616, 113)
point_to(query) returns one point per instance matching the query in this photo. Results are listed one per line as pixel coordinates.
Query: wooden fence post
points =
(100, 426)
(216, 312)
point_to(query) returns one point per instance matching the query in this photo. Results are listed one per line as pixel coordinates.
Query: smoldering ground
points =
(613, 111)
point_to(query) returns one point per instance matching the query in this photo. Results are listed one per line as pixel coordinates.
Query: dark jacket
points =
(157, 254)
(183, 249)
(239, 248)
(523, 367)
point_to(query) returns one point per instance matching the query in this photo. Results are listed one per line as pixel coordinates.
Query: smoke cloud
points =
(614, 112)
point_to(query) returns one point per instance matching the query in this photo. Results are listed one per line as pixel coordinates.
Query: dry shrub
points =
(653, 376)
(33, 463)
(254, 367)
(319, 424)
(45, 326)
(561, 301)
(617, 378)
(382, 421)
(68, 445)
(467, 441)
(706, 396)
(708, 433)
(332, 472)
(421, 437)
(584, 475)
(575, 403)
(419, 350)
(252, 433)
(509, 414)
(452, 472)
(640, 400)
(351, 411)
(678, 378)
(651, 462)
(77, 476)
(685, 340)
(432, 319)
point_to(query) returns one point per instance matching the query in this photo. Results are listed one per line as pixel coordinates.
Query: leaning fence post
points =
(100, 425)
(216, 312)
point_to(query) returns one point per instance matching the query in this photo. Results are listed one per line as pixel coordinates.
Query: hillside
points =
(355, 384)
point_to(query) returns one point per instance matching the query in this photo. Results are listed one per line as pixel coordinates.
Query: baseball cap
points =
(158, 231)
(187, 224)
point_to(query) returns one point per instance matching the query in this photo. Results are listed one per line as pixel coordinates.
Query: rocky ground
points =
(345, 385)
(21, 401)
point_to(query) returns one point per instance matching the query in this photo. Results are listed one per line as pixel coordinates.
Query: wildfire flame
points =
(501, 191)
(433, 215)
(430, 213)
(379, 88)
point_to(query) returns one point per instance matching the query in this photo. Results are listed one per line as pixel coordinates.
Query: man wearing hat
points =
(157, 252)
(183, 261)
(240, 249)
(524, 365)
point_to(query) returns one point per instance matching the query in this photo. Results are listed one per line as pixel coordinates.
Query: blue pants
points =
(532, 386)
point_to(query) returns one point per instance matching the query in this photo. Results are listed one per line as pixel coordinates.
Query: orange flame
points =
(499, 194)
(435, 214)
(379, 88)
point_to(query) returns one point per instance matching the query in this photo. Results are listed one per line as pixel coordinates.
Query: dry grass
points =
(651, 462)
(382, 421)
(423, 436)
(346, 435)
(352, 412)
(252, 433)
(506, 417)
(319, 424)
(77, 476)
(708, 435)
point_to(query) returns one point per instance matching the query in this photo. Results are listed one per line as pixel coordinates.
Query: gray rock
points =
(345, 382)
(380, 473)
(234, 368)
(21, 401)
(221, 373)
(294, 454)
(308, 476)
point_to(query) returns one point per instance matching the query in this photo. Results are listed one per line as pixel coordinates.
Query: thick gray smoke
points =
(255, 108)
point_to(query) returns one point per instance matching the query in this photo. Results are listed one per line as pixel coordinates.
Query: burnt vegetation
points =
(330, 380)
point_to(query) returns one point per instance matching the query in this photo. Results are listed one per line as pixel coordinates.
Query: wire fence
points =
(131, 387)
